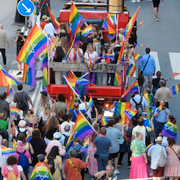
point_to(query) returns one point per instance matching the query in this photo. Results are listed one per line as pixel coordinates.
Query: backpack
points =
(20, 102)
(78, 153)
(22, 132)
(66, 139)
(138, 106)
(51, 165)
(23, 161)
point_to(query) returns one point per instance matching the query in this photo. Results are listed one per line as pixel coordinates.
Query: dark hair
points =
(110, 123)
(86, 97)
(171, 141)
(123, 99)
(117, 118)
(117, 49)
(158, 73)
(140, 121)
(36, 134)
(21, 137)
(11, 160)
(19, 87)
(147, 50)
(84, 48)
(103, 49)
(54, 152)
(69, 115)
(3, 95)
(96, 27)
(89, 120)
(60, 113)
(61, 97)
(172, 119)
(65, 117)
(134, 121)
(60, 51)
(141, 79)
(103, 131)
(77, 140)
(50, 132)
(100, 110)
(18, 30)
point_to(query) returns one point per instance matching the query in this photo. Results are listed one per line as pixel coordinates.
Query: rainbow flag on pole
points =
(7, 151)
(14, 143)
(91, 103)
(137, 57)
(104, 120)
(132, 88)
(45, 58)
(142, 22)
(9, 90)
(130, 113)
(77, 33)
(159, 109)
(109, 55)
(85, 146)
(34, 44)
(140, 45)
(175, 89)
(89, 65)
(15, 111)
(45, 78)
(118, 79)
(121, 55)
(28, 137)
(87, 30)
(131, 69)
(173, 75)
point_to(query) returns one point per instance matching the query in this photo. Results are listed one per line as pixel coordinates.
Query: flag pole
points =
(117, 27)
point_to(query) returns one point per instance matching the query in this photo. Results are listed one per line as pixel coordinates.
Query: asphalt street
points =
(162, 37)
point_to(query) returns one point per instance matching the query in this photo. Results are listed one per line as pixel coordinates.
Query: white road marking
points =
(155, 55)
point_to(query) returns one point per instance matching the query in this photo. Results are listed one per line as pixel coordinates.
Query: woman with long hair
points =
(49, 135)
(4, 105)
(172, 169)
(93, 166)
(55, 162)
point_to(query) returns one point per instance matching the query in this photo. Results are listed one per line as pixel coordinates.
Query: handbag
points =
(148, 138)
(175, 152)
(162, 160)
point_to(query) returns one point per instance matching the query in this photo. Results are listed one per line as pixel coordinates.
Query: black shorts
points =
(156, 3)
(114, 155)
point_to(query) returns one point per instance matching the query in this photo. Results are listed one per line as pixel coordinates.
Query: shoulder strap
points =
(174, 152)
(141, 100)
(134, 101)
(24, 152)
(74, 166)
(146, 63)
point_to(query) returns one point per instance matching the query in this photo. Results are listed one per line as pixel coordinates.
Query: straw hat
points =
(45, 18)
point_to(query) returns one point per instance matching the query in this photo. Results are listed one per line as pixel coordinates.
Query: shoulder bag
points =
(142, 71)
(162, 162)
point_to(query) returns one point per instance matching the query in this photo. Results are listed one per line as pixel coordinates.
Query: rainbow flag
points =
(91, 103)
(130, 25)
(148, 147)
(80, 130)
(175, 89)
(159, 109)
(109, 55)
(45, 78)
(104, 120)
(15, 111)
(28, 137)
(74, 18)
(89, 65)
(34, 44)
(137, 57)
(173, 75)
(140, 45)
(132, 88)
(81, 86)
(130, 113)
(9, 90)
(142, 22)
(131, 69)
(69, 32)
(36, 7)
(118, 79)
(29, 75)
(85, 146)
(55, 23)
(41, 171)
(113, 19)
(14, 143)
(170, 130)
(45, 59)
(75, 57)
(150, 110)
(7, 151)
(77, 33)
(121, 55)
(87, 30)
(72, 75)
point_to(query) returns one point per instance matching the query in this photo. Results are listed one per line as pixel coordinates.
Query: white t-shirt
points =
(82, 106)
(49, 28)
(93, 56)
(20, 169)
(63, 125)
(44, 118)
(21, 130)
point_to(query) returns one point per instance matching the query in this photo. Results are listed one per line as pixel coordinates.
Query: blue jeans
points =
(158, 128)
(102, 163)
(1, 177)
(26, 172)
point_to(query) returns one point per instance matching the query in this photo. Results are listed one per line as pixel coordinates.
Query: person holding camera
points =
(107, 175)
(19, 41)
(161, 118)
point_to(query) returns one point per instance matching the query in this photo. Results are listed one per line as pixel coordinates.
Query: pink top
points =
(71, 56)
(21, 150)
(55, 143)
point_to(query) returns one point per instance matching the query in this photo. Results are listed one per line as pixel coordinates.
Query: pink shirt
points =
(55, 143)
(27, 154)
(71, 56)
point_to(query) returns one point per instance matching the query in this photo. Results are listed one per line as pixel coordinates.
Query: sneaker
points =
(120, 164)
(129, 167)
(133, 1)
(116, 172)
(157, 19)
(19, 73)
(154, 17)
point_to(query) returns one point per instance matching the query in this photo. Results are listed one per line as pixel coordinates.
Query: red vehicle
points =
(94, 13)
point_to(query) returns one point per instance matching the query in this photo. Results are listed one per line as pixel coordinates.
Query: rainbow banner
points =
(109, 55)
(140, 45)
(121, 55)
(14, 143)
(91, 103)
(130, 113)
(142, 22)
(130, 25)
(148, 147)
(85, 146)
(131, 69)
(15, 111)
(118, 79)
(170, 130)
(9, 90)
(175, 89)
(132, 88)
(173, 75)
(28, 137)
(104, 120)
(137, 57)
(7, 151)
(87, 30)
(55, 23)
(34, 44)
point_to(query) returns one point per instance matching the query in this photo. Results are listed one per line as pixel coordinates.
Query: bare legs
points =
(156, 11)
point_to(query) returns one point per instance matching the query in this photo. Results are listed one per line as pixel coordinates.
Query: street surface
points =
(162, 37)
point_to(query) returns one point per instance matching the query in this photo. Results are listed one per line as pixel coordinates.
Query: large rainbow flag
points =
(15, 111)
(45, 59)
(118, 79)
(29, 75)
(77, 33)
(34, 44)
(7, 151)
(121, 55)
(9, 90)
(132, 88)
(130, 25)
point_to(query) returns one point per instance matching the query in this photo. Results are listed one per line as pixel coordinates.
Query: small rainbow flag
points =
(85, 146)
(15, 111)
(28, 137)
(173, 75)
(159, 109)
(75, 57)
(7, 151)
(104, 120)
(109, 55)
(140, 45)
(121, 55)
(9, 90)
(14, 143)
(131, 89)
(142, 22)
(87, 30)
(137, 57)
(89, 65)
(91, 103)
(176, 89)
(148, 147)
(131, 69)
(130, 113)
